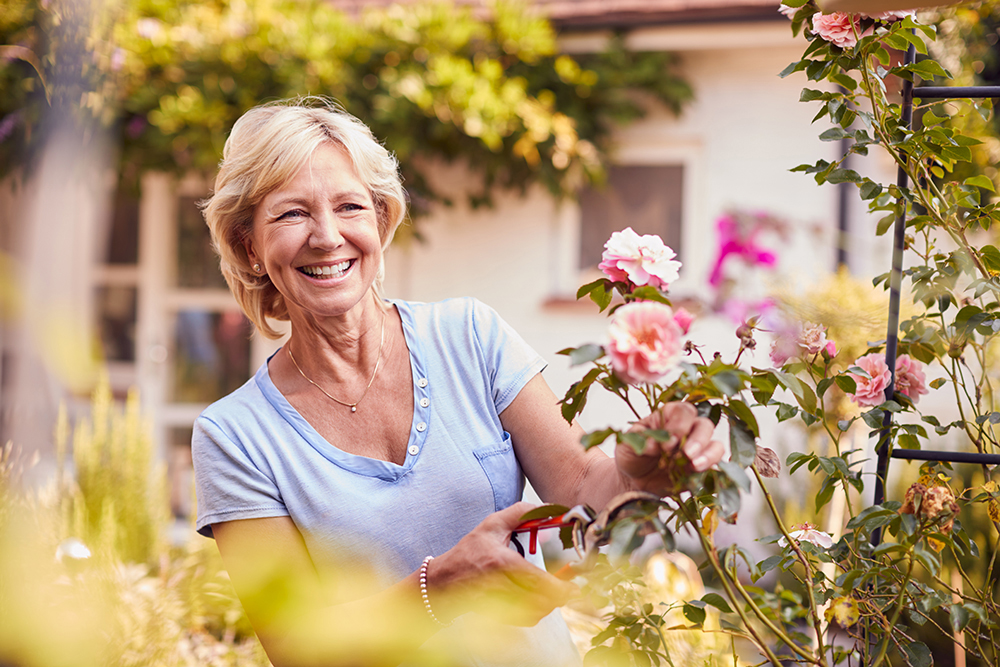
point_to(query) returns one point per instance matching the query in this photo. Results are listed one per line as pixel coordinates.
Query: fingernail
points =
(699, 463)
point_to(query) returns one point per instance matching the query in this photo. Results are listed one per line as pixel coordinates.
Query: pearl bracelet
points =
(423, 591)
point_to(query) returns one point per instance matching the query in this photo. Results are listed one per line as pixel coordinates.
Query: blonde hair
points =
(267, 147)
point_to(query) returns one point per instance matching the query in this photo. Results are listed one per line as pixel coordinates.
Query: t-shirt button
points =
(421, 427)
(422, 382)
(424, 402)
(414, 450)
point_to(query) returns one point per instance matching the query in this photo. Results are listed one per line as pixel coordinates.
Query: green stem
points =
(713, 559)
(884, 646)
(810, 589)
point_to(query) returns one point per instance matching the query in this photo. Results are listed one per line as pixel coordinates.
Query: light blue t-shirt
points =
(255, 456)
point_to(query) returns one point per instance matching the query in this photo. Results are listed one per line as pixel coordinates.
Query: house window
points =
(647, 198)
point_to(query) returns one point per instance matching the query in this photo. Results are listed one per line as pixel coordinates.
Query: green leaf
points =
(694, 613)
(870, 189)
(717, 601)
(981, 181)
(596, 438)
(991, 258)
(937, 383)
(843, 176)
(728, 382)
(736, 474)
(927, 70)
(959, 617)
(742, 445)
(847, 384)
(746, 414)
(543, 512)
(649, 293)
(803, 393)
(917, 654)
(585, 354)
(599, 291)
(833, 134)
(884, 224)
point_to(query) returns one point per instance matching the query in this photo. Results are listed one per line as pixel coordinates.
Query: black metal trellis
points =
(883, 449)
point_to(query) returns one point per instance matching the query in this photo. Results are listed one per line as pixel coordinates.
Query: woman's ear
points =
(251, 255)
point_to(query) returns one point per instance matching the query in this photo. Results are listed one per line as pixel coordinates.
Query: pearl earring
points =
(256, 268)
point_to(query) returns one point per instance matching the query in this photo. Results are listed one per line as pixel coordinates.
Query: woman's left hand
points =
(659, 469)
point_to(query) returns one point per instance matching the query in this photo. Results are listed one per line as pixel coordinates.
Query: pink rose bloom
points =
(837, 28)
(831, 348)
(812, 338)
(683, 319)
(910, 378)
(640, 260)
(645, 341)
(808, 533)
(871, 391)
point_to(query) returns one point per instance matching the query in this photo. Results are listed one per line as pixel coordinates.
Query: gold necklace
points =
(353, 406)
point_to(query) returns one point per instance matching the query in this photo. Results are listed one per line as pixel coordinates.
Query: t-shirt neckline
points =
(361, 465)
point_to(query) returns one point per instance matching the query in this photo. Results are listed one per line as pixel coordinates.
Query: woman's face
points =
(317, 238)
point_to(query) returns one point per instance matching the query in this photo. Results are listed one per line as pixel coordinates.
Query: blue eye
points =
(294, 213)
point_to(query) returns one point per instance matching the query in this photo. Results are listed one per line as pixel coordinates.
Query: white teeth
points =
(326, 271)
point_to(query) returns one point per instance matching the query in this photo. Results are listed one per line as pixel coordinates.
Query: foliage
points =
(434, 81)
(894, 576)
(116, 593)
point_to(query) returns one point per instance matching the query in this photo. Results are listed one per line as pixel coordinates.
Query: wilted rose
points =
(910, 378)
(645, 341)
(766, 462)
(936, 503)
(640, 260)
(888, 17)
(871, 390)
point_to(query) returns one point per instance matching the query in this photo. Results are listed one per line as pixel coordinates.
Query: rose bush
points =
(881, 583)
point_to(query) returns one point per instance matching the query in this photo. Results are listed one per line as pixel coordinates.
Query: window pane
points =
(197, 263)
(212, 355)
(646, 198)
(123, 240)
(116, 313)
(179, 472)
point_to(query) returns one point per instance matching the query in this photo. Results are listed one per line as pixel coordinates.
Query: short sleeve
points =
(228, 484)
(510, 361)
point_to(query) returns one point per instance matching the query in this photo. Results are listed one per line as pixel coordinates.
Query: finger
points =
(541, 583)
(707, 456)
(679, 418)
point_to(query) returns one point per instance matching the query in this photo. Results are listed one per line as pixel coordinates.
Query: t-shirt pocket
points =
(503, 471)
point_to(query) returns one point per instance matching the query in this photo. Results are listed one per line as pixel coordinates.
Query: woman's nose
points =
(325, 232)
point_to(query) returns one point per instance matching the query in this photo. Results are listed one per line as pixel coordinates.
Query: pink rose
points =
(640, 260)
(910, 377)
(812, 338)
(645, 341)
(838, 28)
(871, 390)
(831, 348)
(683, 319)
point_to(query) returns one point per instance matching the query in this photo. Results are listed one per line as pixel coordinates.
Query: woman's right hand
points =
(483, 574)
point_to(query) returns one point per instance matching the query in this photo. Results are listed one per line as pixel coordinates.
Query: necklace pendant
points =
(354, 408)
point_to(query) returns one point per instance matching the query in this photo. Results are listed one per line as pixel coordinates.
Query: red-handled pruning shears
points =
(583, 528)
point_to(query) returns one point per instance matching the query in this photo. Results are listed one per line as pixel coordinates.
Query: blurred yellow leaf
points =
(844, 611)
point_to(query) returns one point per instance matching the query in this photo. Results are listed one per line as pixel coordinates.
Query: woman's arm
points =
(299, 623)
(559, 469)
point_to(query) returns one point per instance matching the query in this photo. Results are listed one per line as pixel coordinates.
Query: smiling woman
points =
(364, 484)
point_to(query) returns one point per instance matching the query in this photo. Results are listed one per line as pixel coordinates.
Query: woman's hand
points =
(483, 574)
(660, 468)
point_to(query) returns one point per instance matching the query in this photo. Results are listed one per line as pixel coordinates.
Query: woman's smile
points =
(326, 271)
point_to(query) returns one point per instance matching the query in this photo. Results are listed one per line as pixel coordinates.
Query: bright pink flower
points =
(910, 378)
(744, 246)
(645, 341)
(640, 260)
(831, 348)
(838, 28)
(871, 390)
(812, 338)
(683, 319)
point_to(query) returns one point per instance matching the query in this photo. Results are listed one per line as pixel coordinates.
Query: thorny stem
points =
(809, 581)
(884, 646)
(713, 559)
